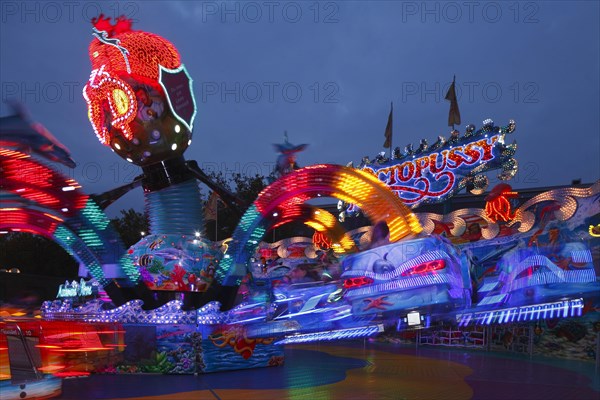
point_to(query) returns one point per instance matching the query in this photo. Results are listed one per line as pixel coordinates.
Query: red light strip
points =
(426, 267)
(352, 283)
(33, 181)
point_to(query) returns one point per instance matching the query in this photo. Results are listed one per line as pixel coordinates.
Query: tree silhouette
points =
(36, 255)
(131, 225)
(246, 188)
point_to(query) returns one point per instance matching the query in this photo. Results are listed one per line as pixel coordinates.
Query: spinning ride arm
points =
(107, 198)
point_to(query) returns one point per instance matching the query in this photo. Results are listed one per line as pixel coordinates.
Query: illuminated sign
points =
(433, 174)
(180, 95)
(74, 289)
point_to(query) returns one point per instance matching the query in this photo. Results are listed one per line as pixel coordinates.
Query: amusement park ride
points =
(502, 264)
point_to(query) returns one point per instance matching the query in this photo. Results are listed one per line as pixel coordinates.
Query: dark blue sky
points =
(326, 72)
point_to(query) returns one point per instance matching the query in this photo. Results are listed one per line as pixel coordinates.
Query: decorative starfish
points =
(378, 303)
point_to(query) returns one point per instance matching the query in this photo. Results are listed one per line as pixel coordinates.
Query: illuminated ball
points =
(176, 263)
(128, 106)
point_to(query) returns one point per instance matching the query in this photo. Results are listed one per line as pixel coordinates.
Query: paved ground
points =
(363, 370)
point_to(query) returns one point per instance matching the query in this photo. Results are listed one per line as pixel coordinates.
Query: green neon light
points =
(95, 215)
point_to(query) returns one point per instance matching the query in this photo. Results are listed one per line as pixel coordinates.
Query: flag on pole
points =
(454, 115)
(210, 210)
(388, 129)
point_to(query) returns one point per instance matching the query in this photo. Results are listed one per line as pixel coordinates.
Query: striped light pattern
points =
(407, 283)
(559, 309)
(551, 273)
(25, 177)
(347, 184)
(406, 266)
(39, 200)
(587, 275)
(94, 214)
(344, 183)
(493, 299)
(581, 256)
(176, 209)
(29, 220)
(349, 333)
(78, 249)
(94, 229)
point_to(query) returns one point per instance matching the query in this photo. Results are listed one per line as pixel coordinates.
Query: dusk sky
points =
(326, 72)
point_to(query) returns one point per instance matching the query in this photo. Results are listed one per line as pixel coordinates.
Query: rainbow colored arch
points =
(284, 196)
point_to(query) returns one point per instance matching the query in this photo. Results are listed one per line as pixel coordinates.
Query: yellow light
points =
(378, 202)
(121, 101)
(53, 217)
(325, 218)
(315, 225)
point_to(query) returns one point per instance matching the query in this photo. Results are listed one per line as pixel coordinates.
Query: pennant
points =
(454, 115)
(388, 129)
(210, 210)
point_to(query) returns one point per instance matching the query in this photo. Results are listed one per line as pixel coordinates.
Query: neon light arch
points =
(39, 200)
(20, 219)
(344, 183)
(29, 220)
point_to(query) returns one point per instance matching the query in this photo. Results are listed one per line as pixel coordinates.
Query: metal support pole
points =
(530, 346)
(597, 351)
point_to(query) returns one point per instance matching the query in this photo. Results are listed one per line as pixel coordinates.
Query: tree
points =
(130, 226)
(36, 255)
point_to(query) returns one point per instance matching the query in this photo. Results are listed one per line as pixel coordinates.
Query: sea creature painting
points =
(237, 339)
(379, 303)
